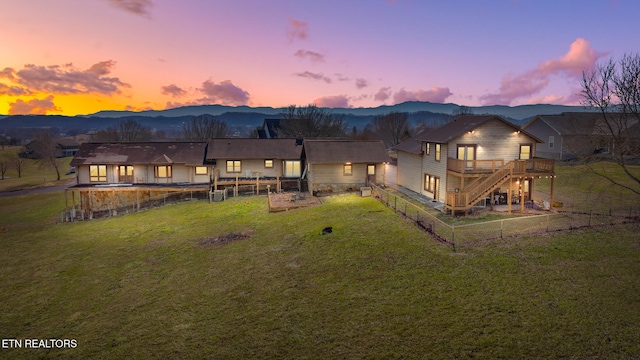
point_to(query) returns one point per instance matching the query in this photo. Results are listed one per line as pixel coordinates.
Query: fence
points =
(468, 234)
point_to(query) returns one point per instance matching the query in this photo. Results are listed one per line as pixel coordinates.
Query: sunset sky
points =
(81, 56)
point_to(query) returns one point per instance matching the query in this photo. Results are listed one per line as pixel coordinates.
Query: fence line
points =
(468, 234)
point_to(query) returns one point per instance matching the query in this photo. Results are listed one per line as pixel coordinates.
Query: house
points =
(472, 159)
(342, 165)
(255, 162)
(115, 175)
(63, 147)
(566, 136)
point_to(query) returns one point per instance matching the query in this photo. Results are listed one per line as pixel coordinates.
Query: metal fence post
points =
(501, 228)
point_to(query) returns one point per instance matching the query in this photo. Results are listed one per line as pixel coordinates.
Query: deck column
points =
(522, 196)
(509, 194)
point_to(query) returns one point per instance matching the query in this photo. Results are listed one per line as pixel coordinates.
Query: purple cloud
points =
(34, 106)
(361, 83)
(311, 55)
(336, 101)
(173, 90)
(225, 93)
(137, 7)
(314, 76)
(297, 29)
(66, 79)
(434, 95)
(383, 94)
(579, 57)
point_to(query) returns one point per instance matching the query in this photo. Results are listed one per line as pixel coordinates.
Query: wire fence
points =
(471, 233)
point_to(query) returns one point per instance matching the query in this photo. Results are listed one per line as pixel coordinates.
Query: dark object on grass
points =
(327, 230)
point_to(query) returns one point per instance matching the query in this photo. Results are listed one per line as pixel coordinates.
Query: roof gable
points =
(461, 125)
(342, 151)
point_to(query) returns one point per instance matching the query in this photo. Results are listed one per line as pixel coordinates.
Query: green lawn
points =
(150, 284)
(34, 174)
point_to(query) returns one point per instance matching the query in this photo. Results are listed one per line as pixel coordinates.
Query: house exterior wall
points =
(253, 165)
(144, 174)
(410, 171)
(543, 132)
(435, 168)
(494, 140)
(331, 177)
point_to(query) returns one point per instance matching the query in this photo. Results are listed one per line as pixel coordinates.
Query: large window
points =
(201, 170)
(234, 166)
(292, 168)
(98, 173)
(431, 183)
(347, 169)
(437, 152)
(163, 171)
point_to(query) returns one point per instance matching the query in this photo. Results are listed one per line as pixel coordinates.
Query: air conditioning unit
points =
(365, 191)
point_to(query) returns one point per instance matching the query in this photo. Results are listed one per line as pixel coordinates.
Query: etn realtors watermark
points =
(38, 343)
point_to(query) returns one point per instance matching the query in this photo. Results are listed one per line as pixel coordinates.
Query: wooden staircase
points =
(471, 195)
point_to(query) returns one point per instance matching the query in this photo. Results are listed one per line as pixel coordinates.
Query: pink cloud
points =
(225, 93)
(311, 55)
(13, 90)
(137, 7)
(173, 90)
(66, 79)
(434, 95)
(383, 94)
(579, 57)
(297, 29)
(361, 83)
(314, 76)
(34, 106)
(336, 101)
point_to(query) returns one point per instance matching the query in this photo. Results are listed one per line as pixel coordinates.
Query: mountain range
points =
(243, 119)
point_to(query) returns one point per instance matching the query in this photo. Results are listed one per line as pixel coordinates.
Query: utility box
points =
(216, 195)
(365, 191)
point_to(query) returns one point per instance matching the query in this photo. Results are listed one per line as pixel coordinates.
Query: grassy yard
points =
(159, 283)
(33, 174)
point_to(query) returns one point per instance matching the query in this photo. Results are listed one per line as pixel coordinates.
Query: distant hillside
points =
(521, 112)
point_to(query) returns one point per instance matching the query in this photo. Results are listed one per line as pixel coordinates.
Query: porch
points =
(536, 166)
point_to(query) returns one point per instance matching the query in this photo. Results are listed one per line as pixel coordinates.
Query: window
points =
(98, 172)
(427, 149)
(437, 152)
(551, 140)
(371, 169)
(234, 166)
(292, 168)
(525, 152)
(201, 170)
(431, 183)
(268, 164)
(163, 171)
(347, 169)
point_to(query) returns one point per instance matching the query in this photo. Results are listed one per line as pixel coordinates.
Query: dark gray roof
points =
(458, 126)
(568, 123)
(413, 144)
(188, 153)
(241, 149)
(342, 151)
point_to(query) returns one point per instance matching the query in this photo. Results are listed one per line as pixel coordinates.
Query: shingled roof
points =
(457, 127)
(246, 149)
(342, 151)
(188, 153)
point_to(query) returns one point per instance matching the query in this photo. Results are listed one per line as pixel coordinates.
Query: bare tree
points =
(46, 146)
(4, 166)
(310, 121)
(3, 142)
(204, 127)
(613, 88)
(462, 111)
(392, 128)
(127, 130)
(18, 163)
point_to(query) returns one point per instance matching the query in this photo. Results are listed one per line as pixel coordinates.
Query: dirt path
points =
(39, 190)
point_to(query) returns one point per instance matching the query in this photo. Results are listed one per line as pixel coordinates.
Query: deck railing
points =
(491, 166)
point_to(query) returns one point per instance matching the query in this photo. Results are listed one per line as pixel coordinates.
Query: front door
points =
(525, 152)
(467, 152)
(125, 174)
(371, 174)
